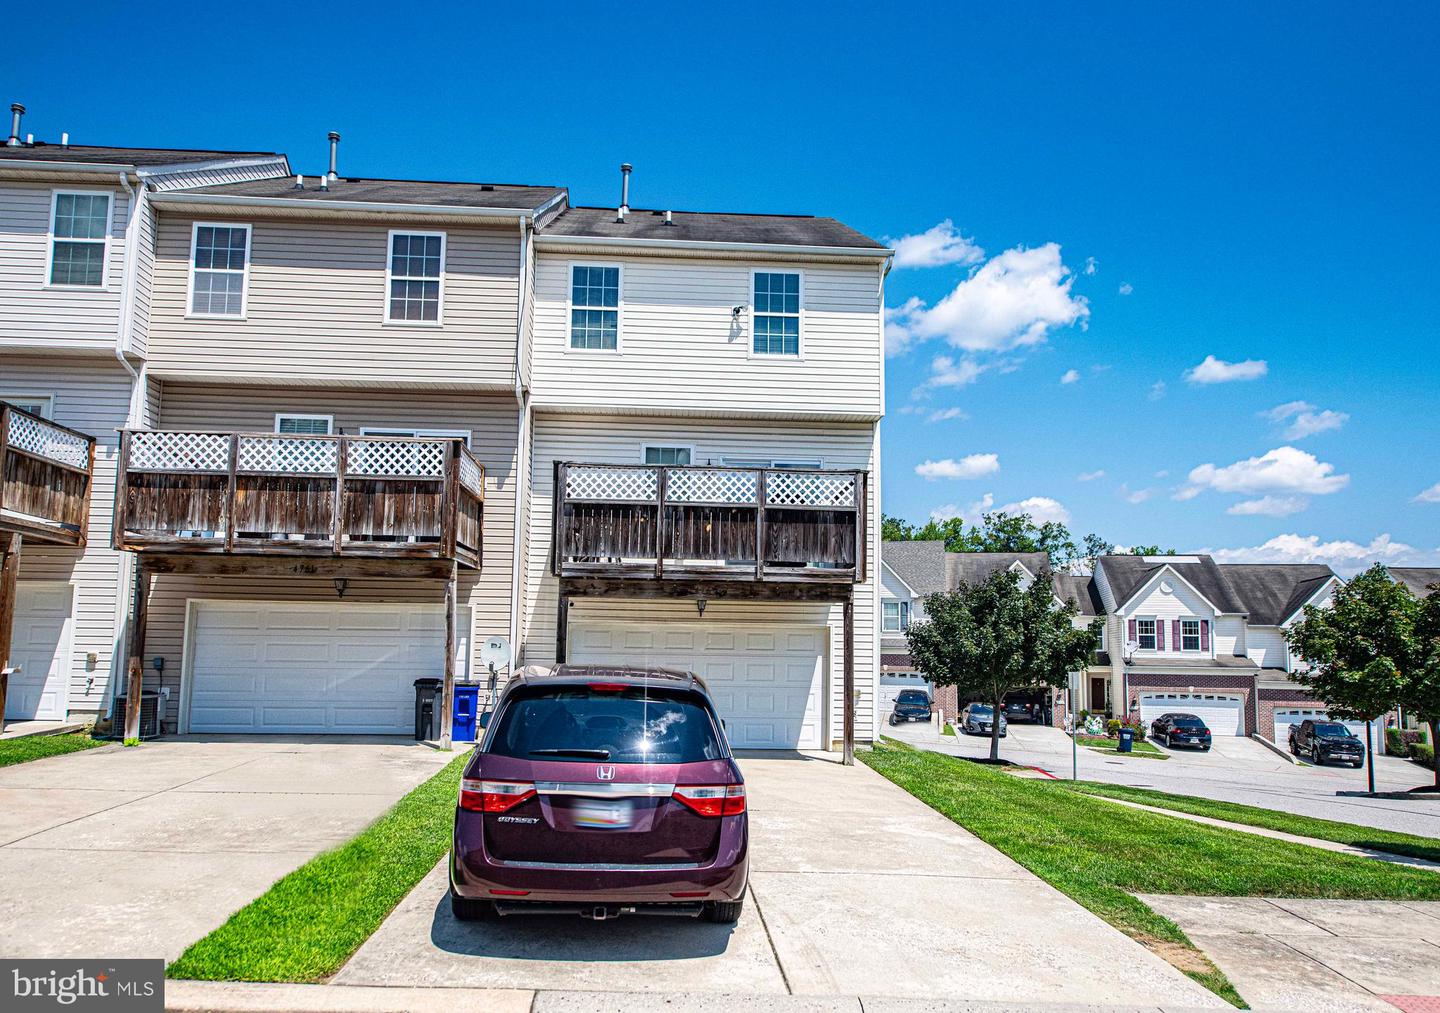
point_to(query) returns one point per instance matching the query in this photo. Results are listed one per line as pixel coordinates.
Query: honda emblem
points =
(605, 773)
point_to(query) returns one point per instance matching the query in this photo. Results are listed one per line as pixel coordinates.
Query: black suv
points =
(911, 705)
(1323, 741)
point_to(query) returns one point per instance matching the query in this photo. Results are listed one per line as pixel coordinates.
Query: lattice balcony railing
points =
(602, 484)
(43, 439)
(46, 474)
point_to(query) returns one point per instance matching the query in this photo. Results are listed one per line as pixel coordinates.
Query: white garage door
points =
(1284, 719)
(314, 668)
(767, 681)
(1220, 713)
(891, 686)
(40, 646)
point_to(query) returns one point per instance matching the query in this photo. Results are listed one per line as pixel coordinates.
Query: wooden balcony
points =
(46, 471)
(645, 522)
(223, 494)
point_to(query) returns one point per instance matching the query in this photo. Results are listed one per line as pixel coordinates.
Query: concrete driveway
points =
(138, 852)
(856, 889)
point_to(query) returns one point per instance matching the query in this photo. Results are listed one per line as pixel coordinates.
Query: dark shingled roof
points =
(138, 157)
(1417, 578)
(1128, 573)
(1079, 587)
(391, 191)
(706, 227)
(1273, 592)
(919, 564)
(974, 567)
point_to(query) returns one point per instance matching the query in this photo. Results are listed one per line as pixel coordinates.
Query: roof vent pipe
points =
(65, 139)
(625, 169)
(324, 184)
(669, 219)
(16, 111)
(334, 148)
(299, 182)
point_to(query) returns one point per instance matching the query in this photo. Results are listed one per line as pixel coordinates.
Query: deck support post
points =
(848, 607)
(447, 714)
(9, 574)
(135, 666)
(562, 625)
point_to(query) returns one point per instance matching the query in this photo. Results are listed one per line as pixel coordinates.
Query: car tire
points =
(465, 909)
(724, 912)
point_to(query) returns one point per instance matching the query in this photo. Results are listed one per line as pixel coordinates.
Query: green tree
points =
(1092, 547)
(896, 529)
(1421, 693)
(1148, 550)
(994, 637)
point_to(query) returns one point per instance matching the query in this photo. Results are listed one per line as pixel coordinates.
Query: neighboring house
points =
(1418, 579)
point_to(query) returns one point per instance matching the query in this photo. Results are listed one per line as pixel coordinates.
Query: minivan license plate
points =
(603, 814)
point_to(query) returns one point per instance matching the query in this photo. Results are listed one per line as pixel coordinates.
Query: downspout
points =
(522, 442)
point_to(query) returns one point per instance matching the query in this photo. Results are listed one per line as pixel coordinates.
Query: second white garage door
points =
(1220, 713)
(305, 667)
(767, 681)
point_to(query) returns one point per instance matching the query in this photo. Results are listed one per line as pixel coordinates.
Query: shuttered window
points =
(219, 259)
(415, 277)
(79, 239)
(1147, 634)
(1190, 634)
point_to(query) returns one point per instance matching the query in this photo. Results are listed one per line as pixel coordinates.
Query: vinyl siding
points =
(683, 350)
(616, 439)
(1267, 647)
(77, 319)
(94, 398)
(492, 424)
(1230, 636)
(316, 311)
(144, 281)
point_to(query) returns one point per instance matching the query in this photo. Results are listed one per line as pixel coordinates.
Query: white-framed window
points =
(1100, 648)
(37, 404)
(219, 270)
(897, 616)
(415, 278)
(413, 432)
(1189, 634)
(775, 307)
(79, 239)
(675, 454)
(794, 463)
(304, 425)
(595, 307)
(1145, 635)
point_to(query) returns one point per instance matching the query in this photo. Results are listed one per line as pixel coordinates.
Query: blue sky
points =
(1257, 187)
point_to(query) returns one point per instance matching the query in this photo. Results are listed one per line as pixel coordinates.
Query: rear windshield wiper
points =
(593, 754)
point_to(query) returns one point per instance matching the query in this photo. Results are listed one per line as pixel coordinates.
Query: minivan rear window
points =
(638, 724)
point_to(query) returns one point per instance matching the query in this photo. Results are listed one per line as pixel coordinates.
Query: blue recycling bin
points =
(464, 723)
(1127, 741)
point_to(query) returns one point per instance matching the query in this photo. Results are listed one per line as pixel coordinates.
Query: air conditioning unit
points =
(149, 715)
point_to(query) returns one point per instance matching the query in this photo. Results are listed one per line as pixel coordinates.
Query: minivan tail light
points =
(711, 799)
(493, 796)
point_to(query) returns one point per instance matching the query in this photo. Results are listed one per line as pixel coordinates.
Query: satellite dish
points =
(495, 653)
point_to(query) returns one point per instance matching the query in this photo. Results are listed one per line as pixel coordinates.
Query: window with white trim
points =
(595, 307)
(1189, 634)
(783, 463)
(37, 404)
(415, 277)
(304, 425)
(655, 454)
(1145, 634)
(414, 433)
(775, 319)
(219, 259)
(79, 239)
(897, 616)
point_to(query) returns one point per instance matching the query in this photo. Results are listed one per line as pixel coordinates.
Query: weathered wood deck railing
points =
(759, 524)
(274, 494)
(46, 471)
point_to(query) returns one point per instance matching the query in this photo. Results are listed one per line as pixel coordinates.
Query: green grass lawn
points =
(1104, 744)
(309, 923)
(949, 730)
(1302, 826)
(37, 747)
(1102, 854)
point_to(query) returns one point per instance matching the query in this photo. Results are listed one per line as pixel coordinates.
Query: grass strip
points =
(1101, 743)
(1101, 855)
(1391, 841)
(309, 922)
(37, 747)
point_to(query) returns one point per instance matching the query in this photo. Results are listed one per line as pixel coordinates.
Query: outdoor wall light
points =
(340, 585)
(700, 604)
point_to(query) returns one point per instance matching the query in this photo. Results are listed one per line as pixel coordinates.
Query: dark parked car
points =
(910, 705)
(1323, 741)
(602, 791)
(979, 718)
(1019, 710)
(1180, 730)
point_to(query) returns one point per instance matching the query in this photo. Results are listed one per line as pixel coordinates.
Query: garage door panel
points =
(1221, 713)
(717, 641)
(225, 619)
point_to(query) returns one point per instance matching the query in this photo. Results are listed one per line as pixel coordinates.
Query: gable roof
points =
(1273, 592)
(921, 565)
(353, 189)
(974, 567)
(1417, 578)
(707, 227)
(81, 154)
(1080, 588)
(1128, 574)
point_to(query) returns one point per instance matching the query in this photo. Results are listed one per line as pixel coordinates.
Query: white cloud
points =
(1135, 495)
(935, 247)
(1163, 473)
(946, 371)
(971, 466)
(1070, 376)
(1091, 265)
(1269, 506)
(971, 514)
(946, 414)
(1304, 419)
(1013, 300)
(1126, 288)
(1285, 470)
(1344, 555)
(1430, 495)
(1157, 390)
(1040, 509)
(1214, 370)
(1090, 476)
(897, 336)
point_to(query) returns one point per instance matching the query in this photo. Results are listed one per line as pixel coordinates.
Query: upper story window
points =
(897, 616)
(219, 256)
(305, 425)
(1190, 634)
(790, 463)
(595, 307)
(1146, 635)
(415, 277)
(79, 238)
(655, 454)
(775, 319)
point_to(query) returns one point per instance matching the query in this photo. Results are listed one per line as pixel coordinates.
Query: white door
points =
(767, 681)
(1221, 713)
(336, 667)
(40, 647)
(1284, 719)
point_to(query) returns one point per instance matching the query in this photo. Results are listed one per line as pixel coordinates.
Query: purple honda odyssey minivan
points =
(602, 791)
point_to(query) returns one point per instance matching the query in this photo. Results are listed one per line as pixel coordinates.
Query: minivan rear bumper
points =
(476, 875)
